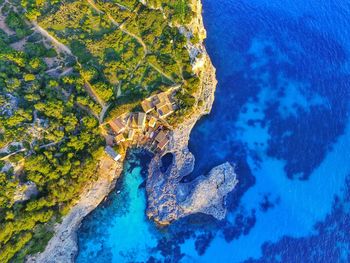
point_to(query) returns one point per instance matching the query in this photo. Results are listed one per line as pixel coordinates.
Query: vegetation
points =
(52, 100)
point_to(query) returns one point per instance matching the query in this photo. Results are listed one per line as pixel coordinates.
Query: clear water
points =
(282, 115)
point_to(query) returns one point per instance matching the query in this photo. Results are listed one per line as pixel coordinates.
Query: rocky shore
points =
(168, 199)
(62, 248)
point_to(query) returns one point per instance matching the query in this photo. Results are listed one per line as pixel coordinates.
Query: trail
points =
(120, 26)
(65, 49)
(94, 6)
(161, 72)
(52, 143)
(87, 109)
(137, 38)
(103, 112)
(9, 155)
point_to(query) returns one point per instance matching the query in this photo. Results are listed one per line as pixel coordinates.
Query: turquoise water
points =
(281, 114)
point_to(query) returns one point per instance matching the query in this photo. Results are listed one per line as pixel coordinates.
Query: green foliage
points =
(59, 143)
(49, 119)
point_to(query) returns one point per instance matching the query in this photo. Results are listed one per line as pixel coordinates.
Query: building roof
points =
(147, 105)
(165, 110)
(161, 136)
(161, 104)
(117, 125)
(112, 153)
(163, 143)
(141, 119)
(152, 122)
(131, 134)
(119, 138)
(163, 97)
(133, 121)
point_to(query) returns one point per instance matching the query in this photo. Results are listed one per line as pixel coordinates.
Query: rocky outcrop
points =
(207, 194)
(168, 198)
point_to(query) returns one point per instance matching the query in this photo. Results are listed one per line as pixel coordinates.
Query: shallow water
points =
(281, 114)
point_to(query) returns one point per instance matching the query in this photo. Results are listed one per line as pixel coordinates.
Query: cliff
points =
(167, 199)
(62, 248)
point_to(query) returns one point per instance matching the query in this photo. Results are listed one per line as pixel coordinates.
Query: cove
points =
(281, 114)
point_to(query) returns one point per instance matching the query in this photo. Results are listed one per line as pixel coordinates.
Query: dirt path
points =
(161, 72)
(120, 26)
(88, 110)
(94, 6)
(11, 154)
(63, 48)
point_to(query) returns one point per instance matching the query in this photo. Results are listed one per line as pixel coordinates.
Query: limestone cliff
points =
(168, 199)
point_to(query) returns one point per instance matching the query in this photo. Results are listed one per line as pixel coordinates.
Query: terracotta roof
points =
(117, 125)
(163, 143)
(161, 136)
(147, 105)
(165, 110)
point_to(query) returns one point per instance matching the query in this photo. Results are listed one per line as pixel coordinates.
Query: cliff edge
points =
(168, 198)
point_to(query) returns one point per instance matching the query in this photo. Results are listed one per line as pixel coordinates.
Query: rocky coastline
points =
(168, 199)
(63, 247)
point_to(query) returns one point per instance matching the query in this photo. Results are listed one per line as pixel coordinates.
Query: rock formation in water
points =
(207, 194)
(169, 199)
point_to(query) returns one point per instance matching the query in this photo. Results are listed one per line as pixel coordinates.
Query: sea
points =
(281, 116)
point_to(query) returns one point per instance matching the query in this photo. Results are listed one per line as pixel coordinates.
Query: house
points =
(119, 138)
(112, 153)
(163, 97)
(133, 121)
(152, 122)
(141, 120)
(131, 135)
(138, 121)
(161, 146)
(117, 125)
(165, 110)
(109, 139)
(160, 136)
(147, 105)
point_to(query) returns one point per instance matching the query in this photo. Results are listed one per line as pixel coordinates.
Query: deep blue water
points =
(282, 115)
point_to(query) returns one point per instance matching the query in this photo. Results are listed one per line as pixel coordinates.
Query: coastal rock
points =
(207, 194)
(168, 198)
(164, 195)
(62, 248)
